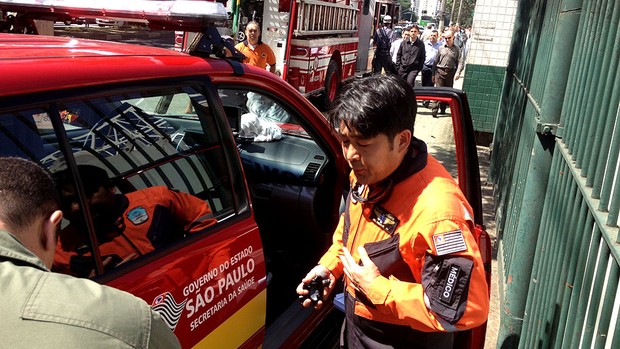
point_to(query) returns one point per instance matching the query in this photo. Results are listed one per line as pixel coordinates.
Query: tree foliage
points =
(467, 11)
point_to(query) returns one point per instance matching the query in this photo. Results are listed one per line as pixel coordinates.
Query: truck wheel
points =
(332, 82)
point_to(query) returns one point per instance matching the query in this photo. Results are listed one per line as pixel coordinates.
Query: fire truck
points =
(318, 44)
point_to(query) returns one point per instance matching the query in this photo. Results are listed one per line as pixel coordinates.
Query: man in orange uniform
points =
(127, 225)
(413, 271)
(256, 52)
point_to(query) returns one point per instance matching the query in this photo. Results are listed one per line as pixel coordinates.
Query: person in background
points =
(410, 57)
(382, 40)
(431, 47)
(412, 269)
(41, 309)
(396, 45)
(427, 32)
(257, 52)
(447, 67)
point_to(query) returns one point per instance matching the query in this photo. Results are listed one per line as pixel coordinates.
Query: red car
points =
(155, 117)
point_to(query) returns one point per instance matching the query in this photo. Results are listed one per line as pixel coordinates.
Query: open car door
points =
(451, 140)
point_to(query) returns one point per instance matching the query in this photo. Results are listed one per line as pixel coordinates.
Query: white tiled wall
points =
(492, 32)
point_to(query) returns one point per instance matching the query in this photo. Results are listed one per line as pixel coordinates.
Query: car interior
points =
(170, 137)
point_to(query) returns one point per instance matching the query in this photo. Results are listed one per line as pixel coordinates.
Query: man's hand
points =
(361, 276)
(457, 76)
(321, 271)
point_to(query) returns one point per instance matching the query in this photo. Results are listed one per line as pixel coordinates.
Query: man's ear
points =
(49, 230)
(404, 140)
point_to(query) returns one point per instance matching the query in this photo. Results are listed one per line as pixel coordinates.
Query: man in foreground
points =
(412, 269)
(41, 309)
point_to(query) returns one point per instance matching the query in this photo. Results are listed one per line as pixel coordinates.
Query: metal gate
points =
(556, 173)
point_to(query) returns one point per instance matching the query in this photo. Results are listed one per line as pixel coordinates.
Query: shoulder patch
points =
(450, 242)
(138, 215)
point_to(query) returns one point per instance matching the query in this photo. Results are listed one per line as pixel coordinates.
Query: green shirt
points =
(41, 309)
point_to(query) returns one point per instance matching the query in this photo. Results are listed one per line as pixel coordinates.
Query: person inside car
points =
(126, 225)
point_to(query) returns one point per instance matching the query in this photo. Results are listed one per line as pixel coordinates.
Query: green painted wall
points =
(483, 84)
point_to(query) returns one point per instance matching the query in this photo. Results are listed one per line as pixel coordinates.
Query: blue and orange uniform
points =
(419, 234)
(146, 219)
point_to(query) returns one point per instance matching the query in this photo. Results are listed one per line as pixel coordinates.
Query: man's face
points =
(415, 32)
(252, 33)
(100, 204)
(449, 39)
(433, 38)
(406, 35)
(372, 159)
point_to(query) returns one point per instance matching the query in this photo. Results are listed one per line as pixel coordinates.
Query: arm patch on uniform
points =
(446, 284)
(450, 242)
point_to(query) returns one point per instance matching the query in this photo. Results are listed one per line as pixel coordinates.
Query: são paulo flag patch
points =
(450, 242)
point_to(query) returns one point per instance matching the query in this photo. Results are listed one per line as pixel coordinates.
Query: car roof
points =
(26, 60)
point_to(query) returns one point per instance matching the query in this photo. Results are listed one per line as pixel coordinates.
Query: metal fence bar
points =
(578, 233)
(605, 310)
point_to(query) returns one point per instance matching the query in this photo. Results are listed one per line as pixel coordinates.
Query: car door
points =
(168, 142)
(297, 177)
(451, 139)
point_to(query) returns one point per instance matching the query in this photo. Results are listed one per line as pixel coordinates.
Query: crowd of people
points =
(438, 57)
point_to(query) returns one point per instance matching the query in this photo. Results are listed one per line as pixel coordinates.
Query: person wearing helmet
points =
(382, 40)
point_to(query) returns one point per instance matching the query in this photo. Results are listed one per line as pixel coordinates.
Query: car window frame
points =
(50, 100)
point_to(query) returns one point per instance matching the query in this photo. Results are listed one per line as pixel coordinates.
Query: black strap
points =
(347, 221)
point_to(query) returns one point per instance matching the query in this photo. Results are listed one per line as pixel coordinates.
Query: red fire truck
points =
(317, 43)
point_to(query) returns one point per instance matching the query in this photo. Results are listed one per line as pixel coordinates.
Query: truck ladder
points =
(317, 17)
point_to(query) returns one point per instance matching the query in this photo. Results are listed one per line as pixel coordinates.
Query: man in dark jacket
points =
(410, 57)
(382, 40)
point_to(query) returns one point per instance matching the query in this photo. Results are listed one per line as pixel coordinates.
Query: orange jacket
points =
(150, 217)
(434, 226)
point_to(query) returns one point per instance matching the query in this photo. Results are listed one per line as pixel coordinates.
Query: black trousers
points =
(427, 76)
(409, 76)
(358, 333)
(383, 60)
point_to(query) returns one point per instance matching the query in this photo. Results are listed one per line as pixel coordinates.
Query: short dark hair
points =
(92, 177)
(373, 105)
(27, 192)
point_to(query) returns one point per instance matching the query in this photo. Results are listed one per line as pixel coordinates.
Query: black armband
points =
(445, 280)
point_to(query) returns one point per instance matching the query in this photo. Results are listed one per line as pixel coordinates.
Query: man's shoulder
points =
(82, 303)
(149, 193)
(241, 46)
(263, 46)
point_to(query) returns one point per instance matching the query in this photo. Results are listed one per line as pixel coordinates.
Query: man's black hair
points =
(373, 105)
(26, 190)
(93, 178)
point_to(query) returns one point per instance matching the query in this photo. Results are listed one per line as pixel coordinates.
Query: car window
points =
(151, 164)
(256, 116)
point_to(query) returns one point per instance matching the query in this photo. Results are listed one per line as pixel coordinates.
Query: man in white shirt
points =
(396, 44)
